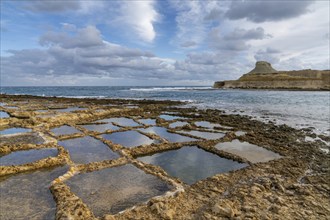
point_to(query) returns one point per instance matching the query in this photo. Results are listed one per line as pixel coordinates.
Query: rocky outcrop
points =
(263, 76)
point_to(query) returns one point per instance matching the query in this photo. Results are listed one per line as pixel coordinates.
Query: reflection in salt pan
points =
(114, 189)
(191, 164)
(162, 132)
(27, 196)
(88, 149)
(27, 156)
(251, 152)
(128, 138)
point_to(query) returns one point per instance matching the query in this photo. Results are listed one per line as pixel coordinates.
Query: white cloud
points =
(193, 20)
(140, 16)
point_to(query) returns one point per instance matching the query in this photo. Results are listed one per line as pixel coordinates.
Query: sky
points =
(157, 43)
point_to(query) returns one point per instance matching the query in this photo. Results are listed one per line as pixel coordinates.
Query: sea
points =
(298, 109)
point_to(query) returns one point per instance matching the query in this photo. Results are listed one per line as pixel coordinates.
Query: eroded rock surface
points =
(292, 186)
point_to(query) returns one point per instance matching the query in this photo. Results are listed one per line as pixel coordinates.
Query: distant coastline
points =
(263, 76)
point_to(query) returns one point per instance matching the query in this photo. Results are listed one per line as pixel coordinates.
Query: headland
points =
(264, 76)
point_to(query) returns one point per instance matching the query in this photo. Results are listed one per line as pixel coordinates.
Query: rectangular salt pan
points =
(251, 152)
(148, 121)
(4, 114)
(100, 127)
(71, 109)
(14, 131)
(64, 130)
(125, 122)
(162, 132)
(205, 135)
(27, 156)
(88, 149)
(178, 124)
(27, 196)
(25, 138)
(128, 138)
(191, 164)
(206, 124)
(115, 189)
(169, 117)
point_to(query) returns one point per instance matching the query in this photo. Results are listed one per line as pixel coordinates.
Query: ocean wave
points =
(169, 89)
(83, 97)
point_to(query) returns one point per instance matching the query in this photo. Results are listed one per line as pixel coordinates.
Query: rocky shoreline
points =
(296, 186)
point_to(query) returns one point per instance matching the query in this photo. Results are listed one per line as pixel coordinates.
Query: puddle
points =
(100, 127)
(11, 107)
(29, 138)
(27, 156)
(4, 114)
(206, 124)
(148, 121)
(115, 189)
(88, 149)
(162, 132)
(206, 135)
(125, 122)
(71, 109)
(14, 131)
(2, 103)
(191, 164)
(131, 106)
(170, 117)
(63, 130)
(240, 133)
(128, 138)
(27, 196)
(178, 124)
(251, 152)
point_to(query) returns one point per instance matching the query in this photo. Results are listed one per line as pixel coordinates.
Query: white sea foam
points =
(169, 89)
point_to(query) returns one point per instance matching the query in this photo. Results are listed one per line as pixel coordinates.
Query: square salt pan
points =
(115, 189)
(251, 152)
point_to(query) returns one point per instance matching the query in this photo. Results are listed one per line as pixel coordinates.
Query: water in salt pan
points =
(115, 189)
(251, 152)
(240, 133)
(205, 135)
(64, 130)
(206, 124)
(87, 149)
(27, 156)
(28, 138)
(178, 124)
(4, 114)
(101, 127)
(148, 121)
(191, 164)
(71, 109)
(27, 196)
(11, 107)
(128, 138)
(170, 117)
(14, 131)
(162, 132)
(125, 122)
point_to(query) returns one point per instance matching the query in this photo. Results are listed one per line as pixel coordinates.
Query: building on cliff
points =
(264, 76)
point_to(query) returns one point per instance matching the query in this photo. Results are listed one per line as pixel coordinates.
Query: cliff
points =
(263, 76)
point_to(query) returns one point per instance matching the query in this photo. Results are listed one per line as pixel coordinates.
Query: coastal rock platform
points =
(292, 185)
